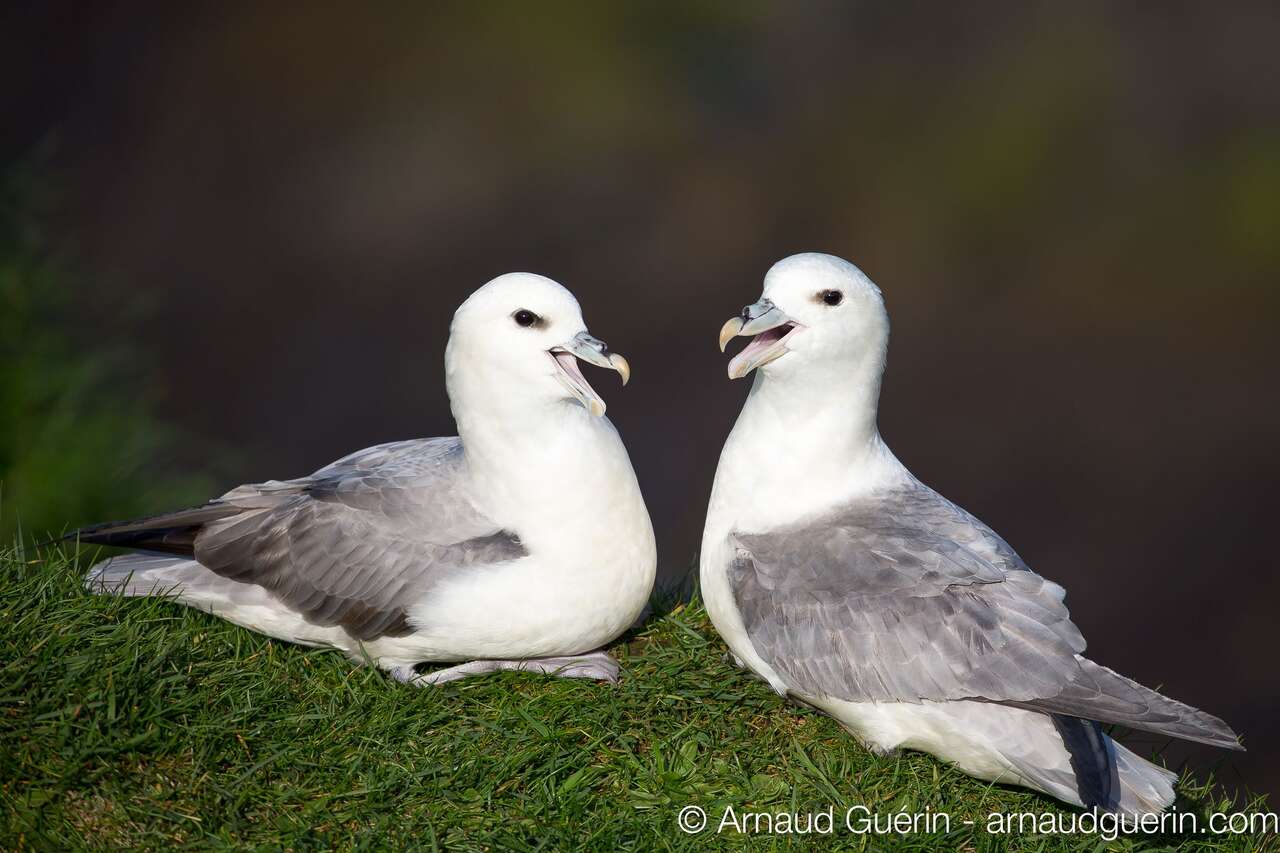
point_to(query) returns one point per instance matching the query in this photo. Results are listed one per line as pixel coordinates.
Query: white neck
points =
(828, 414)
(542, 463)
(801, 443)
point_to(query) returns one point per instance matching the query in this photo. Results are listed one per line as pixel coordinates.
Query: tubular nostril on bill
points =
(755, 310)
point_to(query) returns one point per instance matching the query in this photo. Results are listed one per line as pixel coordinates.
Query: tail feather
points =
(184, 580)
(187, 582)
(136, 575)
(1145, 788)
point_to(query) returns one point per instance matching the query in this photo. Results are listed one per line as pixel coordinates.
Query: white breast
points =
(591, 564)
(758, 487)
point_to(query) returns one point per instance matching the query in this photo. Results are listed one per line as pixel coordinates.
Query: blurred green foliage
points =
(79, 441)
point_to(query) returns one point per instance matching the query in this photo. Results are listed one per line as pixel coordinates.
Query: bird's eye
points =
(831, 297)
(525, 317)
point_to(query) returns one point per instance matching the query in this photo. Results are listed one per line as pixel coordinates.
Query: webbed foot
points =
(596, 665)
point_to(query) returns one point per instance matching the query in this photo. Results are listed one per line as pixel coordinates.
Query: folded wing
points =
(356, 544)
(905, 597)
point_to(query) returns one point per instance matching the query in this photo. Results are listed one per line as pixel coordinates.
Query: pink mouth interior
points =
(569, 364)
(761, 342)
(765, 339)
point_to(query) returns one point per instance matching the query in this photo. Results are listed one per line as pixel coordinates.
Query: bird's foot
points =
(596, 665)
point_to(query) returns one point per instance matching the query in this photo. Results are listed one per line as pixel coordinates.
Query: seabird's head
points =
(521, 336)
(816, 309)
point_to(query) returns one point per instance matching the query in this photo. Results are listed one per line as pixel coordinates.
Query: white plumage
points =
(836, 576)
(522, 544)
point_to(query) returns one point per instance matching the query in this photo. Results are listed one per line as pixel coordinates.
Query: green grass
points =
(144, 724)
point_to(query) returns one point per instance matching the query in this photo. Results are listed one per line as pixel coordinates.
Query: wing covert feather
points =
(361, 540)
(904, 597)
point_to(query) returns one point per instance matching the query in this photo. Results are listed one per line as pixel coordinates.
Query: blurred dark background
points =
(234, 236)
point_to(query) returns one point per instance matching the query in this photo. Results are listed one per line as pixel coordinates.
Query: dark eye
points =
(525, 317)
(831, 297)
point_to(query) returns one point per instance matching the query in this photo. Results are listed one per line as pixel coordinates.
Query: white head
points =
(807, 435)
(515, 342)
(819, 317)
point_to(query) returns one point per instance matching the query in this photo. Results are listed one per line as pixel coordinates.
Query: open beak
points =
(585, 347)
(771, 328)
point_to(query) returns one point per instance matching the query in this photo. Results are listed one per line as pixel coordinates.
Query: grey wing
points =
(905, 597)
(359, 541)
(902, 597)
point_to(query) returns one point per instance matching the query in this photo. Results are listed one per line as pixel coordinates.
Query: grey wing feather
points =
(1099, 693)
(355, 544)
(905, 597)
(361, 540)
(901, 598)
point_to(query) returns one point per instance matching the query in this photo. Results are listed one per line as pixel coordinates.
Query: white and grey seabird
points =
(523, 543)
(849, 585)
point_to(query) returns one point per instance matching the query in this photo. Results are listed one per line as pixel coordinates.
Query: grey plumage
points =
(902, 596)
(353, 545)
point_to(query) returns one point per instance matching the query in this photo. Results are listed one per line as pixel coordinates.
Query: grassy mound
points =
(142, 723)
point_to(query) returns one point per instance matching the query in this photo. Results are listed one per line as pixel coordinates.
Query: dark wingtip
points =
(1092, 759)
(170, 533)
(1216, 732)
(1231, 741)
